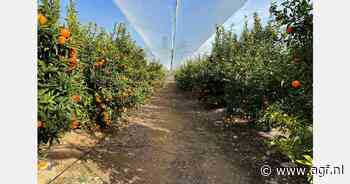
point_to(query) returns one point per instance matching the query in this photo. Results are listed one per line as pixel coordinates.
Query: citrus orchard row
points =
(263, 75)
(87, 77)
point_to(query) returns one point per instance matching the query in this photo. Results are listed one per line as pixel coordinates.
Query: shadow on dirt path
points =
(172, 140)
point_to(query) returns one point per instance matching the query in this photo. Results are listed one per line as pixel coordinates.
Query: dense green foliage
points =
(264, 75)
(87, 77)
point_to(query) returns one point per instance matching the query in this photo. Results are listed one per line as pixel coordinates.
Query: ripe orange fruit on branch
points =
(40, 124)
(290, 29)
(65, 32)
(98, 99)
(74, 122)
(73, 61)
(76, 98)
(42, 19)
(62, 40)
(73, 52)
(100, 62)
(296, 84)
(72, 64)
(103, 61)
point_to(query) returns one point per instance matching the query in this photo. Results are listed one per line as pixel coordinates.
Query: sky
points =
(103, 12)
(142, 18)
(237, 20)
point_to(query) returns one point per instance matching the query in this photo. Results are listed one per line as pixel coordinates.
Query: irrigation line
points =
(71, 165)
(114, 145)
(93, 149)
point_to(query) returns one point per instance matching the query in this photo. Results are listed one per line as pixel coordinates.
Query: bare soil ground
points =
(169, 140)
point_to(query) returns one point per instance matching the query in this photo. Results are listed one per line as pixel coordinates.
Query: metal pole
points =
(174, 36)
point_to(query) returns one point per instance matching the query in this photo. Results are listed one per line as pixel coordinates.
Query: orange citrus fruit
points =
(98, 99)
(73, 52)
(296, 84)
(65, 32)
(76, 98)
(43, 164)
(40, 124)
(62, 40)
(42, 19)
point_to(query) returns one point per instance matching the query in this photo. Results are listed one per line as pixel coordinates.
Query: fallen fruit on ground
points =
(43, 164)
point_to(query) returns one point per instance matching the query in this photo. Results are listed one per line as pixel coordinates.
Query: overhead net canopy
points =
(174, 29)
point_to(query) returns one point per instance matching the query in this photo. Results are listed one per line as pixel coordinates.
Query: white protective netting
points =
(193, 20)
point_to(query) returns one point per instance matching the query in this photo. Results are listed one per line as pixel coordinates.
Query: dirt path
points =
(171, 140)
